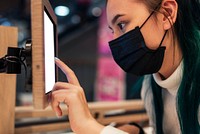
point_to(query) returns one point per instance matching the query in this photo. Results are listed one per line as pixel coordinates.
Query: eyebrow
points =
(115, 19)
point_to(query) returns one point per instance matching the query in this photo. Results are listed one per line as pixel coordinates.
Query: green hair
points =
(187, 29)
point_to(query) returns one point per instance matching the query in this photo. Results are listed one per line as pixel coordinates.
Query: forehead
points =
(123, 7)
(114, 6)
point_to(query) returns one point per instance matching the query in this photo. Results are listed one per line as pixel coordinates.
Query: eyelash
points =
(121, 26)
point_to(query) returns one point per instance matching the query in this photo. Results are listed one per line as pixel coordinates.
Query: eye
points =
(121, 25)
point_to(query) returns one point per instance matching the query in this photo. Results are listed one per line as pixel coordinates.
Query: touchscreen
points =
(49, 53)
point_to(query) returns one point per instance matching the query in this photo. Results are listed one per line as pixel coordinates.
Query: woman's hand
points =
(73, 96)
(131, 129)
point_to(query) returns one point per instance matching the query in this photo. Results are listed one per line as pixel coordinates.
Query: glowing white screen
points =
(49, 53)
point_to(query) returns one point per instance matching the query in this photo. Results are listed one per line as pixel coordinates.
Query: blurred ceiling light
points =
(96, 11)
(62, 10)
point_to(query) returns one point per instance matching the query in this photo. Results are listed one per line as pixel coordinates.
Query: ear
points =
(169, 10)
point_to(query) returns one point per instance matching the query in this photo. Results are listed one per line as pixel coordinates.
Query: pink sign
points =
(110, 81)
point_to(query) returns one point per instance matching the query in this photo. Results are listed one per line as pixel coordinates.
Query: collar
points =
(173, 82)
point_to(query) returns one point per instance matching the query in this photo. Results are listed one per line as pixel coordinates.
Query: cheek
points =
(152, 34)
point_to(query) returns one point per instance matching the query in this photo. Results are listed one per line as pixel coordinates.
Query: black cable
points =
(2, 65)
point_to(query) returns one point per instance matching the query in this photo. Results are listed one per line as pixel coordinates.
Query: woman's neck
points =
(172, 59)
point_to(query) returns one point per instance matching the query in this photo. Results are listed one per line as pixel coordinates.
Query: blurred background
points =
(83, 37)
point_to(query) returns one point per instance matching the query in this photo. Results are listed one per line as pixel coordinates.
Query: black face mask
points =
(133, 56)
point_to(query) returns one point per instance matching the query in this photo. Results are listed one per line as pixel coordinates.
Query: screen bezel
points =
(40, 98)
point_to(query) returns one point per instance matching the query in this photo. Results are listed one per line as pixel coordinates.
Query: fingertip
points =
(56, 108)
(58, 112)
(59, 115)
(56, 58)
(58, 62)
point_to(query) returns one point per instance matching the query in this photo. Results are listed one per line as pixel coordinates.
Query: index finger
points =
(68, 72)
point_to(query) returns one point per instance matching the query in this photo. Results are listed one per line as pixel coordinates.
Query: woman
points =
(156, 38)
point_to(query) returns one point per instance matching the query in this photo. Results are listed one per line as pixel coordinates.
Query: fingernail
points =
(56, 58)
(58, 116)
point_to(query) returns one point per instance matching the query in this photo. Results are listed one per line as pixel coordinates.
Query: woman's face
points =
(125, 15)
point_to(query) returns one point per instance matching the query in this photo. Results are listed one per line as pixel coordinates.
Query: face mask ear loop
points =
(150, 15)
(163, 38)
(147, 19)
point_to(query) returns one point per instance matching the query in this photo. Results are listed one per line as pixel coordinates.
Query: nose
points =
(115, 36)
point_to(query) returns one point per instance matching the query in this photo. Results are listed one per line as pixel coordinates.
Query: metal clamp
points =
(11, 63)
